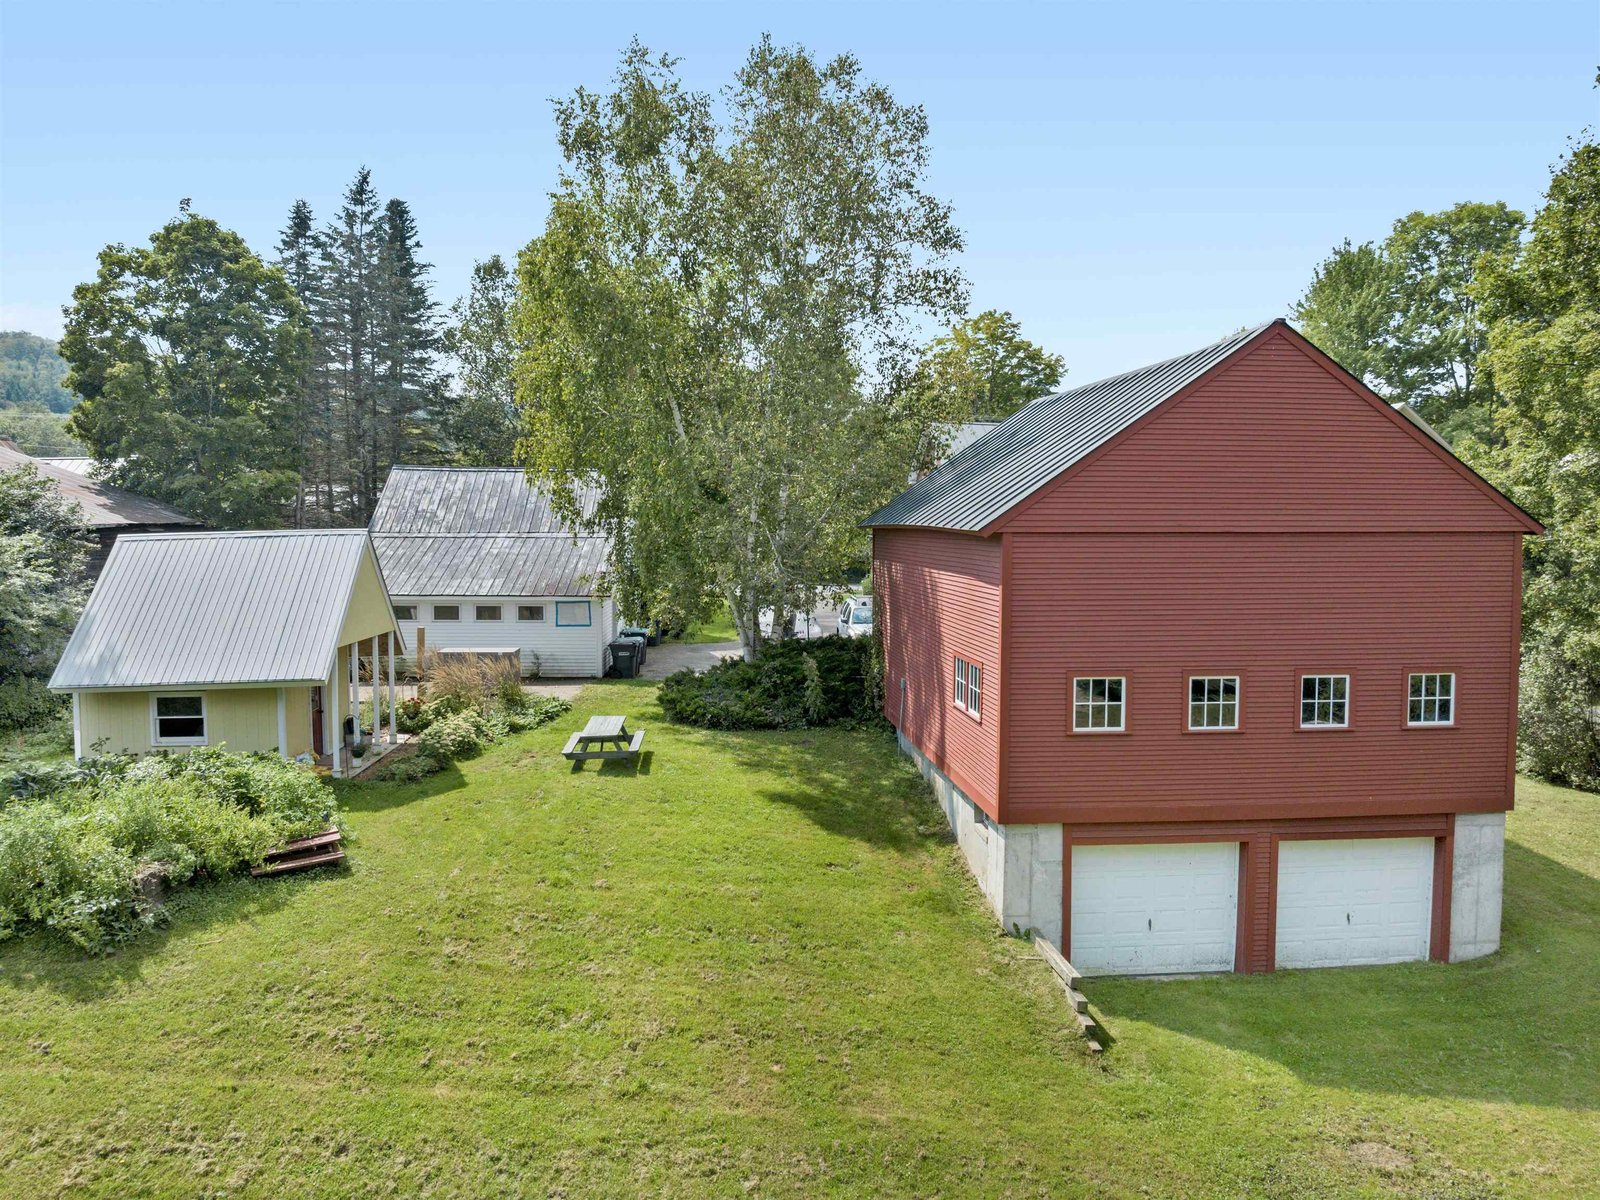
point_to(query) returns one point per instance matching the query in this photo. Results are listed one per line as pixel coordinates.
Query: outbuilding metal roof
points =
(1030, 448)
(471, 531)
(193, 609)
(104, 506)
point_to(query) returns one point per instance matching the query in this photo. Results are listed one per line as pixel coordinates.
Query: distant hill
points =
(31, 371)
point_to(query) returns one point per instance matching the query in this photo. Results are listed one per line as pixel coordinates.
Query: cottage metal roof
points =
(104, 506)
(194, 609)
(471, 531)
(1009, 463)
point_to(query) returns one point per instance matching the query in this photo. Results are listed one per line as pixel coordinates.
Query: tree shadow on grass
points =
(1520, 1026)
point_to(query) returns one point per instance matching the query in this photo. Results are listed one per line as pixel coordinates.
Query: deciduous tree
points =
(483, 420)
(985, 370)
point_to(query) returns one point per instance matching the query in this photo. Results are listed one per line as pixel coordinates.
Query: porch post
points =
(394, 720)
(283, 724)
(334, 739)
(355, 690)
(377, 675)
(77, 727)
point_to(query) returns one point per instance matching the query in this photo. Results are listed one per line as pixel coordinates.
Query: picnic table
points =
(604, 738)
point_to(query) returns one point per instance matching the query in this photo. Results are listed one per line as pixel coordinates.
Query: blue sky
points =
(1133, 179)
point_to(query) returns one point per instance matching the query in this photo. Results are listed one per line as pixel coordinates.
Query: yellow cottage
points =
(254, 640)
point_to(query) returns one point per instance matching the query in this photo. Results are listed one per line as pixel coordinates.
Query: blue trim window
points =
(573, 612)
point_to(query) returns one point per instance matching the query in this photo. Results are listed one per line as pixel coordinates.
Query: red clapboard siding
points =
(1276, 440)
(1157, 607)
(938, 596)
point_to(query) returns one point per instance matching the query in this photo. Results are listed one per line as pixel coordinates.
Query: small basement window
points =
(487, 612)
(1213, 702)
(180, 720)
(405, 612)
(447, 612)
(968, 692)
(1097, 704)
(1324, 701)
(1431, 699)
(530, 612)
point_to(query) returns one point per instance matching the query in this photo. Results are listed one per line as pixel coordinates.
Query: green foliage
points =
(1558, 720)
(482, 416)
(32, 374)
(43, 549)
(42, 434)
(185, 353)
(985, 370)
(1405, 316)
(710, 319)
(407, 768)
(461, 735)
(72, 848)
(795, 684)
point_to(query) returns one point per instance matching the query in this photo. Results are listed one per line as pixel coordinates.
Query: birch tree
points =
(710, 323)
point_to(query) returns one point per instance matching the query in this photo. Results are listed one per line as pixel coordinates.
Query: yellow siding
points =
(243, 718)
(369, 614)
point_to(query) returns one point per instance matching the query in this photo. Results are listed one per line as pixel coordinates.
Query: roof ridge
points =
(174, 534)
(1241, 335)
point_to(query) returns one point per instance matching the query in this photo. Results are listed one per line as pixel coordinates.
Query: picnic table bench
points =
(604, 738)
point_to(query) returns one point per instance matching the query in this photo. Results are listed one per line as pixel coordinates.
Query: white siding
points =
(559, 651)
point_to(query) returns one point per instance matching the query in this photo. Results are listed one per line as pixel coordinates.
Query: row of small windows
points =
(1099, 703)
(480, 612)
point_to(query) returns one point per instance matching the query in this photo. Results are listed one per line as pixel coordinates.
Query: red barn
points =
(1213, 665)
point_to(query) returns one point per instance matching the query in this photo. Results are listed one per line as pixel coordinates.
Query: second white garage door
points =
(1347, 903)
(1154, 910)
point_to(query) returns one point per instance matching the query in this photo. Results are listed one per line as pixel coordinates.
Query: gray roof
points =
(78, 466)
(187, 609)
(104, 506)
(1009, 463)
(474, 531)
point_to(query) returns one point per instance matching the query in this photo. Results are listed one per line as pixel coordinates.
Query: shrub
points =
(471, 681)
(536, 711)
(408, 769)
(1558, 720)
(793, 685)
(459, 736)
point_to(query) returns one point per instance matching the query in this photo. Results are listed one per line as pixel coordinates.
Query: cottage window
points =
(1431, 699)
(1213, 702)
(530, 612)
(488, 612)
(1097, 704)
(1324, 701)
(405, 612)
(447, 612)
(180, 720)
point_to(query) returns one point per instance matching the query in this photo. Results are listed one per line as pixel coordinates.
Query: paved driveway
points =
(661, 661)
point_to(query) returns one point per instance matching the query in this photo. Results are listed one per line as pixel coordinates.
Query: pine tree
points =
(297, 259)
(406, 346)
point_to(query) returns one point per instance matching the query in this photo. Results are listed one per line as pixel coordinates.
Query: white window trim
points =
(530, 620)
(477, 608)
(399, 608)
(963, 688)
(1300, 710)
(433, 611)
(975, 690)
(1454, 700)
(1122, 705)
(1238, 705)
(155, 724)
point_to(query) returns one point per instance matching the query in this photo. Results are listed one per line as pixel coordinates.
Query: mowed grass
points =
(756, 966)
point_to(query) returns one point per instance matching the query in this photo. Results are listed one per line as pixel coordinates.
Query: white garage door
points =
(1154, 910)
(1344, 903)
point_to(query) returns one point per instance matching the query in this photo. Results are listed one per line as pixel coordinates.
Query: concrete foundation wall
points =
(1018, 867)
(1477, 878)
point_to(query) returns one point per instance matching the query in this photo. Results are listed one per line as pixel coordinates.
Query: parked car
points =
(805, 625)
(855, 617)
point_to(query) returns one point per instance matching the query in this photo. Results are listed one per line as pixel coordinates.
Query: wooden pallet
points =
(319, 850)
(1071, 983)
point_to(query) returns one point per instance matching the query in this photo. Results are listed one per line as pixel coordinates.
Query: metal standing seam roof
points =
(104, 506)
(481, 531)
(1009, 463)
(193, 609)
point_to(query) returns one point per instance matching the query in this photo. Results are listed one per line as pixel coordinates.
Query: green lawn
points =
(757, 967)
(717, 629)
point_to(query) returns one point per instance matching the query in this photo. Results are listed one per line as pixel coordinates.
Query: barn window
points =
(447, 612)
(968, 687)
(530, 612)
(405, 612)
(1431, 699)
(1097, 704)
(1213, 702)
(487, 612)
(1324, 701)
(960, 692)
(180, 720)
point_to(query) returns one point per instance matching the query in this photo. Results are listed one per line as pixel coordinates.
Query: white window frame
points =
(967, 692)
(1221, 704)
(155, 720)
(1426, 698)
(499, 610)
(1317, 704)
(1106, 704)
(405, 612)
(537, 609)
(958, 694)
(437, 607)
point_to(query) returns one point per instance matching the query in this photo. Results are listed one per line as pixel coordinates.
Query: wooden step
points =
(303, 862)
(328, 837)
